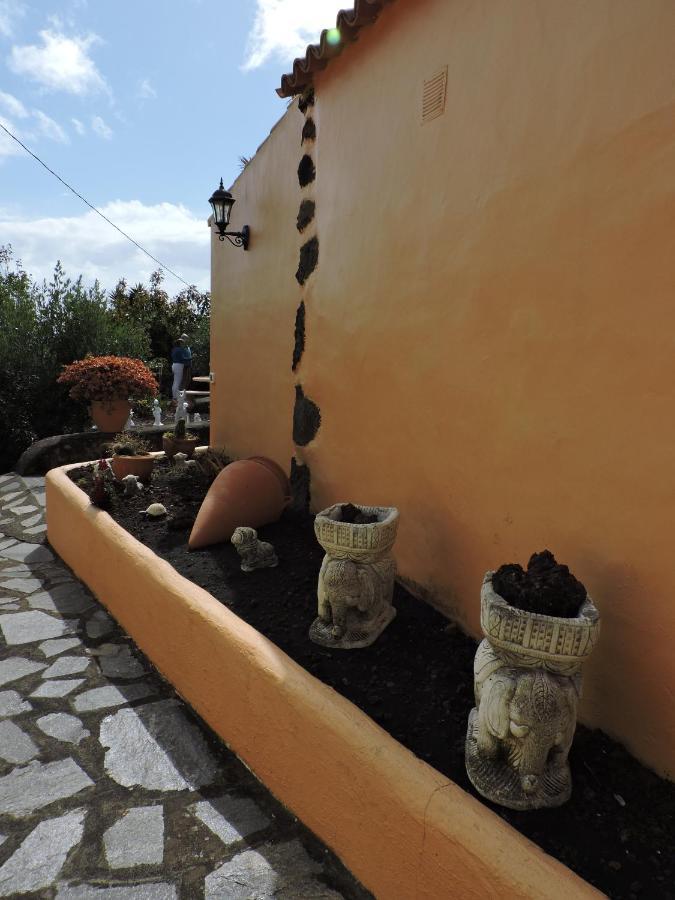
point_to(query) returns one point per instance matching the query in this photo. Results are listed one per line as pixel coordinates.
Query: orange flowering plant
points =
(108, 378)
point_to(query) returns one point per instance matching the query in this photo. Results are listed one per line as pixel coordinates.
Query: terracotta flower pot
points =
(110, 416)
(140, 465)
(251, 492)
(173, 445)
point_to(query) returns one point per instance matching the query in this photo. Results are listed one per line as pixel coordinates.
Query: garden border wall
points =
(400, 826)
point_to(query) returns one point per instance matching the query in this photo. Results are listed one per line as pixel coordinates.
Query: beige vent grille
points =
(433, 95)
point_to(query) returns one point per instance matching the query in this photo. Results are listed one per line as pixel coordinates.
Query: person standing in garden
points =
(187, 363)
(180, 354)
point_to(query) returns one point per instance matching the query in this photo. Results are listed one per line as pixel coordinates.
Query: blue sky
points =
(141, 105)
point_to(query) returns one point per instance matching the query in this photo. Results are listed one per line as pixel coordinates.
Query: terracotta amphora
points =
(251, 492)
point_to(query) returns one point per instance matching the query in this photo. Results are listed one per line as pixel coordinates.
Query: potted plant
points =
(131, 456)
(356, 580)
(107, 383)
(179, 441)
(540, 625)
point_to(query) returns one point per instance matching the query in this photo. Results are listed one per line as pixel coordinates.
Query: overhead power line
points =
(91, 206)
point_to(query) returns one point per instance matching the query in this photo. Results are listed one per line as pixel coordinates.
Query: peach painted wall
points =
(254, 299)
(491, 326)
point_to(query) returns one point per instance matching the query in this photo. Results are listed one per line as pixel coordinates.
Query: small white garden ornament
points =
(132, 485)
(181, 408)
(157, 412)
(155, 511)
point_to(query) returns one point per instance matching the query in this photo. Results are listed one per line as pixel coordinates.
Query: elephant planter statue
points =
(356, 580)
(527, 681)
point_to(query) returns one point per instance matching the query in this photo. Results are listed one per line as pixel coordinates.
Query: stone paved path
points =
(109, 785)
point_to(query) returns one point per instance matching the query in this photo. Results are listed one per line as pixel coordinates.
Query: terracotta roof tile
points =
(349, 23)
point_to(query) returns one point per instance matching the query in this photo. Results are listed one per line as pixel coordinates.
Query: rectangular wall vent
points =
(433, 95)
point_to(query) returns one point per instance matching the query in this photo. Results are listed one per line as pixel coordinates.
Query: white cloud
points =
(61, 63)
(283, 28)
(8, 147)
(146, 91)
(49, 128)
(99, 127)
(88, 245)
(12, 106)
(10, 11)
(78, 126)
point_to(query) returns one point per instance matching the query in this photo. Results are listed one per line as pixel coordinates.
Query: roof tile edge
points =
(317, 56)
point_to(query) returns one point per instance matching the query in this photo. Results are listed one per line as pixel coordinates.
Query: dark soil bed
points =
(416, 681)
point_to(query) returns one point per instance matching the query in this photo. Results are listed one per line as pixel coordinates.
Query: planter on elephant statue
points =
(527, 681)
(356, 580)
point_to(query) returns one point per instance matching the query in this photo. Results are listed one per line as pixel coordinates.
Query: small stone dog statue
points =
(254, 554)
(132, 485)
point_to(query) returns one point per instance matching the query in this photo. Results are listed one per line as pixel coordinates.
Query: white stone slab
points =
(9, 495)
(231, 818)
(17, 667)
(41, 499)
(21, 510)
(9, 606)
(31, 520)
(51, 648)
(31, 553)
(278, 870)
(57, 688)
(15, 745)
(7, 542)
(18, 569)
(26, 627)
(36, 529)
(156, 747)
(11, 704)
(64, 598)
(67, 665)
(40, 858)
(136, 839)
(152, 891)
(23, 585)
(63, 727)
(38, 784)
(34, 482)
(105, 697)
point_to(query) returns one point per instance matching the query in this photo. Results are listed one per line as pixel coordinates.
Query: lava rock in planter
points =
(527, 680)
(254, 554)
(356, 580)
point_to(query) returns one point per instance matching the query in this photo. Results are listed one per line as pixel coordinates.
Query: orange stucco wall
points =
(491, 327)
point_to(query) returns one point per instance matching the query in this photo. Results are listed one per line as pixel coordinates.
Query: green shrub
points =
(46, 326)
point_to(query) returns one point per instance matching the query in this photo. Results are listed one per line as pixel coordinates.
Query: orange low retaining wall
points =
(401, 827)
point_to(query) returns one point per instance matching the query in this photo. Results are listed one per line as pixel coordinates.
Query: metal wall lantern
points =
(222, 202)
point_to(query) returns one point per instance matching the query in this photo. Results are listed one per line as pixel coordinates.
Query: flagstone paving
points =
(110, 787)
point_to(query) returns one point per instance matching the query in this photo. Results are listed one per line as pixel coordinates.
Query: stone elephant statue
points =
(527, 717)
(352, 596)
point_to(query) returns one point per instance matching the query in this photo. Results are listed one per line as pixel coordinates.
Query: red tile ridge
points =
(317, 56)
